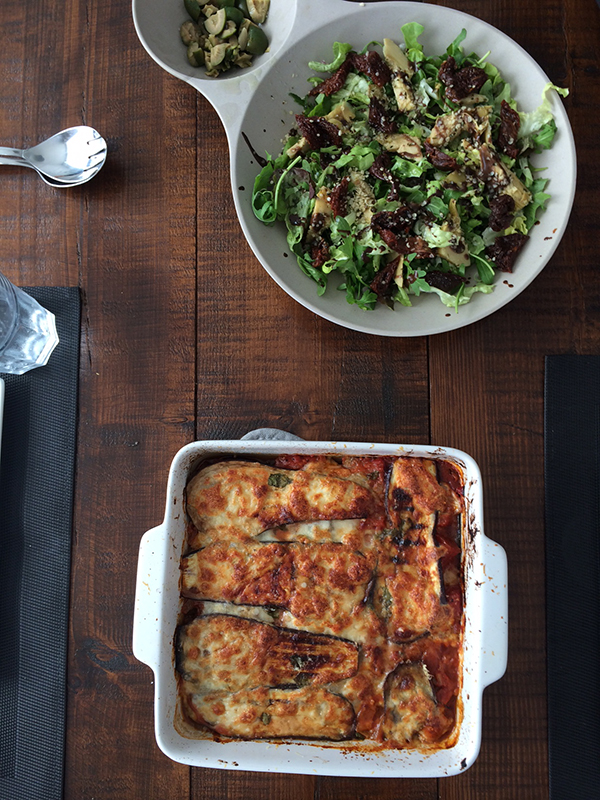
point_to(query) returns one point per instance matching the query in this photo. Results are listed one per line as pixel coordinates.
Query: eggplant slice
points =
(222, 653)
(343, 531)
(408, 590)
(411, 595)
(264, 713)
(414, 493)
(237, 500)
(316, 583)
(412, 715)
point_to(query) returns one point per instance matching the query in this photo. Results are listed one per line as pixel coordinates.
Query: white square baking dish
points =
(157, 606)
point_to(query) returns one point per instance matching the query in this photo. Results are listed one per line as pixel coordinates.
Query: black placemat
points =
(36, 505)
(572, 519)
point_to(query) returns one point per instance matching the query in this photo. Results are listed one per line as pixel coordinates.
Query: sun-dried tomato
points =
(379, 117)
(373, 66)
(405, 245)
(445, 281)
(394, 226)
(335, 82)
(319, 252)
(317, 223)
(390, 238)
(460, 83)
(510, 122)
(505, 250)
(380, 168)
(318, 131)
(502, 209)
(438, 158)
(398, 222)
(337, 198)
(383, 283)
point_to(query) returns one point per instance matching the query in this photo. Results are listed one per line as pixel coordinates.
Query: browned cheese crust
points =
(239, 499)
(324, 583)
(324, 600)
(226, 653)
(265, 713)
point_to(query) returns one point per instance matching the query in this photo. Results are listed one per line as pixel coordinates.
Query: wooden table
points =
(185, 337)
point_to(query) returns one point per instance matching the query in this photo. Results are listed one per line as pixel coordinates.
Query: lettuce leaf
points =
(466, 293)
(534, 121)
(484, 269)
(414, 49)
(340, 51)
(263, 200)
(455, 50)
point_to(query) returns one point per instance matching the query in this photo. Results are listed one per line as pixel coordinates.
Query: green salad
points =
(407, 173)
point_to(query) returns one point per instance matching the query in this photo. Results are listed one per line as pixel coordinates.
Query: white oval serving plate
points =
(256, 102)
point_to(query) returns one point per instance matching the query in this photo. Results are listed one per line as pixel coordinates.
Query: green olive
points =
(222, 33)
(243, 34)
(257, 41)
(217, 54)
(234, 14)
(216, 22)
(243, 61)
(258, 10)
(190, 32)
(229, 30)
(193, 9)
(195, 55)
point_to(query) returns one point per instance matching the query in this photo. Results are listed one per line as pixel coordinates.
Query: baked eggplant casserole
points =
(323, 599)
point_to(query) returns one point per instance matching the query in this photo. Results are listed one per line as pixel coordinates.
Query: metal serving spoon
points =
(69, 158)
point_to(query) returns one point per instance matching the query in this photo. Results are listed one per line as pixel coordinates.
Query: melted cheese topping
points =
(239, 572)
(324, 600)
(321, 582)
(344, 531)
(264, 713)
(415, 493)
(238, 499)
(227, 653)
(410, 707)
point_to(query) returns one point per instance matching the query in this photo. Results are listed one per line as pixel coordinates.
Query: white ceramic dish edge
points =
(157, 604)
(257, 102)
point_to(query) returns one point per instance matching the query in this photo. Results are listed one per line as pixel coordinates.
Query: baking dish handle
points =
(494, 648)
(148, 599)
(272, 435)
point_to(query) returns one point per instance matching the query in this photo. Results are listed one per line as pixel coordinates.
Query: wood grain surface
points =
(185, 337)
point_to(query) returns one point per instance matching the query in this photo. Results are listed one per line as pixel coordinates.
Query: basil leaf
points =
(279, 480)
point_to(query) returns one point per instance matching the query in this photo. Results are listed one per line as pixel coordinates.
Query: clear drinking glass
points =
(27, 330)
